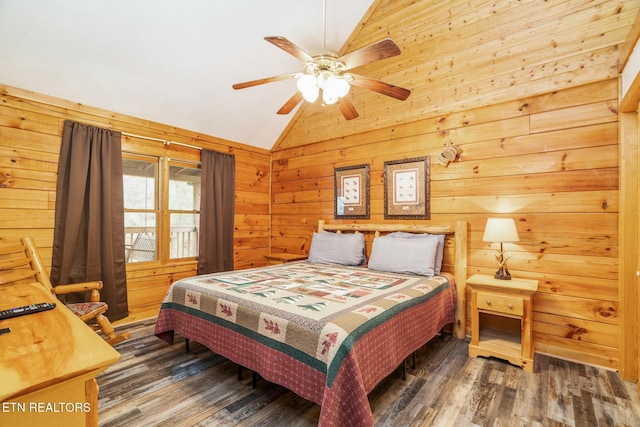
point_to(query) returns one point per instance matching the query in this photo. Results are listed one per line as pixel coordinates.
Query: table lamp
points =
(501, 230)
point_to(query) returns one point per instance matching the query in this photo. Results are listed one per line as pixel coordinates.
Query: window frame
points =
(167, 212)
(161, 210)
(156, 208)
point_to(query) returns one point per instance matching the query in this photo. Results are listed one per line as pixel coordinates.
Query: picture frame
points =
(351, 192)
(406, 188)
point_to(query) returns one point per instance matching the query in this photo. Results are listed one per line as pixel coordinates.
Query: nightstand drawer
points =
(500, 303)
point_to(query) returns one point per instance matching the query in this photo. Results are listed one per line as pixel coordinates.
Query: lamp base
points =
(502, 274)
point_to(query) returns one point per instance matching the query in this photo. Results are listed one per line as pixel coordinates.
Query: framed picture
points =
(351, 190)
(406, 189)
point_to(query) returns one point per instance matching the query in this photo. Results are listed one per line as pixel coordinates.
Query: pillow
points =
(439, 254)
(404, 255)
(334, 248)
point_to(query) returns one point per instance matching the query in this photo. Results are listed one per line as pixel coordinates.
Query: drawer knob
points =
(510, 306)
(488, 302)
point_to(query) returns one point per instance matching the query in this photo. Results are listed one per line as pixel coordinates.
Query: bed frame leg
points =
(404, 365)
(186, 345)
(254, 377)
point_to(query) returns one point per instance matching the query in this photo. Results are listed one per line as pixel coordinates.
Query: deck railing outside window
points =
(141, 243)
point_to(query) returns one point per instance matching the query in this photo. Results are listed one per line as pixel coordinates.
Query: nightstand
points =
(501, 318)
(284, 257)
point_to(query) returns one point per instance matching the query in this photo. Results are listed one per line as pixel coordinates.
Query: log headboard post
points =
(459, 231)
(460, 276)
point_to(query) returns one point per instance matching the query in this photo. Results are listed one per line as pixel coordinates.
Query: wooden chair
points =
(20, 262)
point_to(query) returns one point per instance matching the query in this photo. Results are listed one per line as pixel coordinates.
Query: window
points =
(184, 210)
(162, 208)
(140, 182)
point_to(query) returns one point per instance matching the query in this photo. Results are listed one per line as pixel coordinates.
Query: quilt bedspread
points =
(329, 333)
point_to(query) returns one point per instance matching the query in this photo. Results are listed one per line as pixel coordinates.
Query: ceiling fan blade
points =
(380, 87)
(348, 110)
(375, 52)
(291, 103)
(263, 81)
(289, 47)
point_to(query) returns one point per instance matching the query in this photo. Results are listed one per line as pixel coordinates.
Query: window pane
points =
(139, 184)
(140, 236)
(184, 188)
(184, 235)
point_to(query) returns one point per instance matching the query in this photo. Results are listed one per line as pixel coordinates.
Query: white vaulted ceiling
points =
(168, 61)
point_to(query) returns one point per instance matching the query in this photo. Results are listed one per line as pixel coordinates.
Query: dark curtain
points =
(88, 241)
(217, 203)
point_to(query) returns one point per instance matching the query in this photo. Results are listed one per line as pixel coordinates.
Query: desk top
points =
(45, 348)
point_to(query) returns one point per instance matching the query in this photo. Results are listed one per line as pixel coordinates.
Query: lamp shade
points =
(500, 230)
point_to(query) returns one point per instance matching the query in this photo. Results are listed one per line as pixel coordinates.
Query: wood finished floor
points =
(155, 384)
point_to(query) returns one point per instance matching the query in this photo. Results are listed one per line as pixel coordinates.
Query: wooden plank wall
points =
(529, 92)
(462, 54)
(30, 136)
(525, 159)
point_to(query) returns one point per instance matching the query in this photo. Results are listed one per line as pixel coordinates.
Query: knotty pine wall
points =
(30, 137)
(549, 161)
(529, 92)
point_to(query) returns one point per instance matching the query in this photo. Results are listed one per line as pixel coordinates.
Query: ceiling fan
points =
(326, 73)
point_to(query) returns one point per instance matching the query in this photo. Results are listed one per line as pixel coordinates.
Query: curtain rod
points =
(164, 141)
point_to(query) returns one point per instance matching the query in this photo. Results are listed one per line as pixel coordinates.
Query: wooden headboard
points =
(455, 254)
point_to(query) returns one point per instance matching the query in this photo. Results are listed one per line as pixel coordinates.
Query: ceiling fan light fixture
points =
(329, 97)
(342, 86)
(333, 86)
(308, 87)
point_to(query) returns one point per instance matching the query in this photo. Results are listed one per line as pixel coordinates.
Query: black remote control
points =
(27, 309)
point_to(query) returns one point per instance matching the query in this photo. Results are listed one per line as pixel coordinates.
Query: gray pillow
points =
(404, 255)
(334, 248)
(440, 252)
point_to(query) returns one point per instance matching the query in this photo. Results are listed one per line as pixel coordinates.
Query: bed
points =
(330, 328)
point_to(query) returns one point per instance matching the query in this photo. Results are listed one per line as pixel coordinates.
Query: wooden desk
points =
(48, 363)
